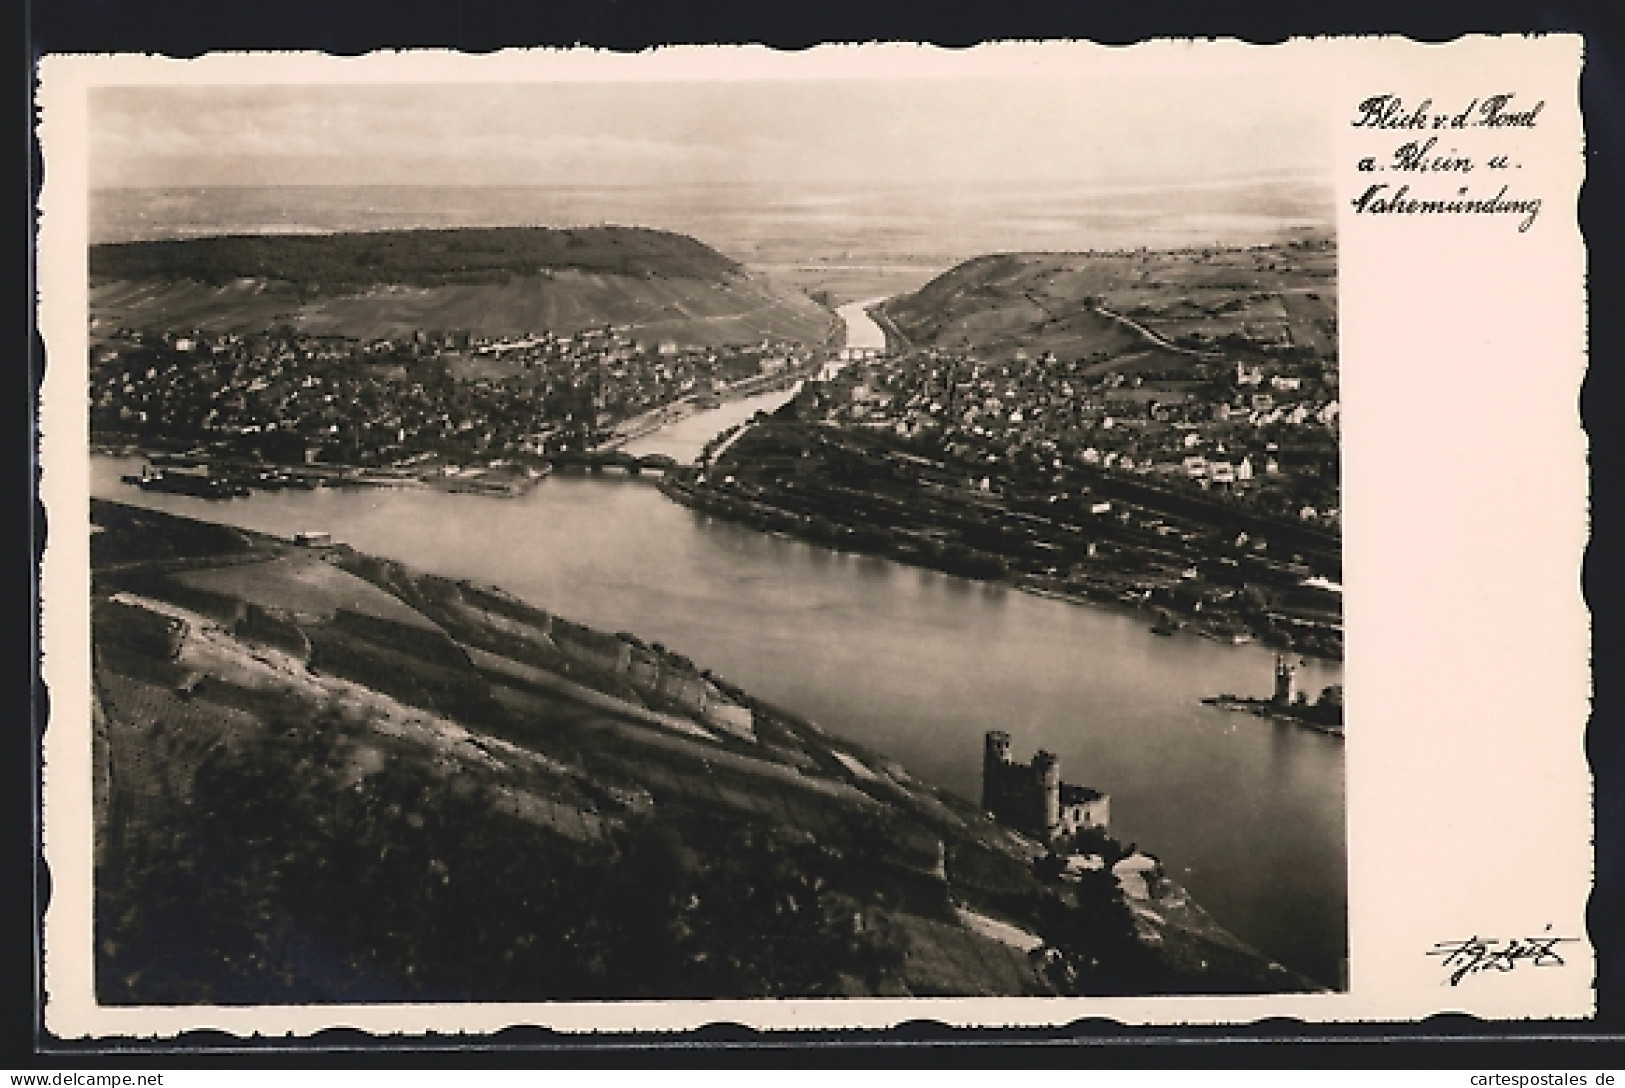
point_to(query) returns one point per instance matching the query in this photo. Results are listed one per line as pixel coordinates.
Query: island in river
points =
(325, 776)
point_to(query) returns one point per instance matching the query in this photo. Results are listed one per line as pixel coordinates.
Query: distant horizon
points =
(761, 223)
(1297, 174)
(880, 156)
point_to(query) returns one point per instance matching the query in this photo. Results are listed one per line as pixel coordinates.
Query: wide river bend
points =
(1247, 813)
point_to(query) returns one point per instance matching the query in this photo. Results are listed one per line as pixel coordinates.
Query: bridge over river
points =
(620, 459)
(684, 438)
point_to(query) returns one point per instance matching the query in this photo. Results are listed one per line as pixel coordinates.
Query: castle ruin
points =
(1031, 797)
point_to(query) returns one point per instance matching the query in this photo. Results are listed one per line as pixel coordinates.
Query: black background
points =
(183, 28)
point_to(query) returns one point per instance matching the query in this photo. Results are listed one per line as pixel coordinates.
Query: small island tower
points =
(1286, 681)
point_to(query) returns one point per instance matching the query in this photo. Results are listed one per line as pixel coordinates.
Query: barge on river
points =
(185, 483)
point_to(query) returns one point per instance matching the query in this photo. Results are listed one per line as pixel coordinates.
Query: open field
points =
(127, 534)
(242, 306)
(691, 312)
(836, 282)
(1100, 306)
(738, 310)
(304, 582)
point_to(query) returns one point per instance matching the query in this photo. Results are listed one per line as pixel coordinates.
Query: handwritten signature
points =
(1475, 954)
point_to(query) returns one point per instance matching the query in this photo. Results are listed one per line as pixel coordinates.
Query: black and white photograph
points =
(593, 529)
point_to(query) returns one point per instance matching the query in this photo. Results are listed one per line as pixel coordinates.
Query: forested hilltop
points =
(335, 263)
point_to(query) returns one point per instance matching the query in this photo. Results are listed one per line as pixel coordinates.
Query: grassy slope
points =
(391, 728)
(303, 583)
(1042, 302)
(494, 283)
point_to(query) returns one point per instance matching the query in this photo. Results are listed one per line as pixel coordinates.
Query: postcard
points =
(627, 541)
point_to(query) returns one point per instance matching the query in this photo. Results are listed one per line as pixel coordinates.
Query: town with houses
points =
(1203, 484)
(443, 401)
(1259, 432)
(1158, 432)
(1215, 506)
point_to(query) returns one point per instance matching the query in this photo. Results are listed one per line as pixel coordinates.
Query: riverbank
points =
(675, 412)
(865, 523)
(1327, 720)
(822, 469)
(853, 522)
(580, 736)
(201, 474)
(896, 343)
(915, 664)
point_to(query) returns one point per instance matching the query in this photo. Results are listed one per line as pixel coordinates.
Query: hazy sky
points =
(1141, 128)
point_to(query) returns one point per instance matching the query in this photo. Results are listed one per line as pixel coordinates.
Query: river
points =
(861, 330)
(685, 438)
(1247, 813)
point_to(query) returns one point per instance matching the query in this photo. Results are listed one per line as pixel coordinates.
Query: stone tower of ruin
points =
(995, 769)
